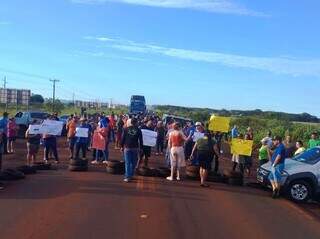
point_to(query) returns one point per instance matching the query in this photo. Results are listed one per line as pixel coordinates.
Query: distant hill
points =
(188, 111)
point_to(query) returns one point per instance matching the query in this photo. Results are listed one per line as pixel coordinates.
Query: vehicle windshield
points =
(39, 115)
(311, 156)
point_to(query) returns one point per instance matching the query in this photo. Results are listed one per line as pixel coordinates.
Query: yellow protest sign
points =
(218, 123)
(241, 147)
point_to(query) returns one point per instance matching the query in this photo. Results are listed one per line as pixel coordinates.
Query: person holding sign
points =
(146, 151)
(82, 134)
(177, 157)
(33, 144)
(71, 128)
(100, 143)
(50, 144)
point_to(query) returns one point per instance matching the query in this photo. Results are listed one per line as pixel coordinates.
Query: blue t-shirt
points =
(280, 150)
(4, 125)
(234, 133)
(82, 139)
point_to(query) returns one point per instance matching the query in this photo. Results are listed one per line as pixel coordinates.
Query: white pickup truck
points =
(24, 119)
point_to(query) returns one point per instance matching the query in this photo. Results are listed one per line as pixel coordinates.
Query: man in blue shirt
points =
(234, 132)
(82, 142)
(4, 130)
(277, 160)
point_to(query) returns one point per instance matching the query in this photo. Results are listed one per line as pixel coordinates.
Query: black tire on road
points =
(164, 172)
(78, 162)
(192, 168)
(42, 166)
(193, 175)
(299, 191)
(115, 170)
(146, 172)
(78, 168)
(11, 175)
(27, 169)
(236, 181)
(114, 163)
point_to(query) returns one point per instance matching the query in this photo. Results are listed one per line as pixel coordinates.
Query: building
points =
(15, 96)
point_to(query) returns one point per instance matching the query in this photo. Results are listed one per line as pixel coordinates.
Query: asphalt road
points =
(62, 204)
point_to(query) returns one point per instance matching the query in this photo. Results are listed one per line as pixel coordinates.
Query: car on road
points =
(24, 119)
(300, 178)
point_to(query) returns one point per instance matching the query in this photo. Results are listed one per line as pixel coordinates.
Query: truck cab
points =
(137, 105)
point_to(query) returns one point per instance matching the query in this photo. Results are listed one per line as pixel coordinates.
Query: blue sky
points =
(233, 54)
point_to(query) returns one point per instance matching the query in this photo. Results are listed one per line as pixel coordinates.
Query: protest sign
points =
(241, 147)
(82, 132)
(34, 129)
(51, 127)
(98, 141)
(149, 137)
(219, 124)
(197, 136)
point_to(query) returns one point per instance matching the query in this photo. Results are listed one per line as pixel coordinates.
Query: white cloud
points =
(279, 65)
(217, 6)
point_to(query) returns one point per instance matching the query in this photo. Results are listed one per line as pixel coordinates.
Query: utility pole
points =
(5, 91)
(74, 102)
(54, 81)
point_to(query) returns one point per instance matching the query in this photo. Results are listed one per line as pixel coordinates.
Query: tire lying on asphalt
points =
(192, 172)
(27, 169)
(216, 177)
(78, 165)
(164, 172)
(11, 175)
(234, 178)
(78, 162)
(42, 166)
(145, 171)
(115, 167)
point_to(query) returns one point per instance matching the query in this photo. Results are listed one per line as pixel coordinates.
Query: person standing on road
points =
(120, 124)
(101, 134)
(4, 130)
(161, 134)
(300, 148)
(177, 154)
(82, 142)
(235, 157)
(204, 148)
(12, 134)
(33, 145)
(131, 145)
(278, 161)
(71, 129)
(146, 152)
(50, 145)
(248, 159)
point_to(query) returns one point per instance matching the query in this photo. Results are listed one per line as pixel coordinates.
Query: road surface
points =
(61, 204)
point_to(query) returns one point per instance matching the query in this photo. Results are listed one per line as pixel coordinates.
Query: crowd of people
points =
(178, 142)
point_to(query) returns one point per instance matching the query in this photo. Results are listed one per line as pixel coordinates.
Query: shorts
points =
(12, 139)
(275, 175)
(147, 151)
(204, 160)
(177, 157)
(32, 148)
(72, 142)
(235, 158)
(247, 162)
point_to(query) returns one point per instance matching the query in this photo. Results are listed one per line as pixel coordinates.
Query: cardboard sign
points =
(34, 129)
(219, 124)
(197, 136)
(149, 137)
(51, 127)
(82, 132)
(241, 147)
(98, 141)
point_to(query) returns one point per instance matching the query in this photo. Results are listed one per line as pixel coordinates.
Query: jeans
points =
(50, 144)
(131, 159)
(275, 174)
(83, 147)
(105, 154)
(160, 145)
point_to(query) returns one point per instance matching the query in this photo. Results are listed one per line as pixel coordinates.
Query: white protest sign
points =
(82, 132)
(197, 135)
(149, 137)
(35, 129)
(51, 127)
